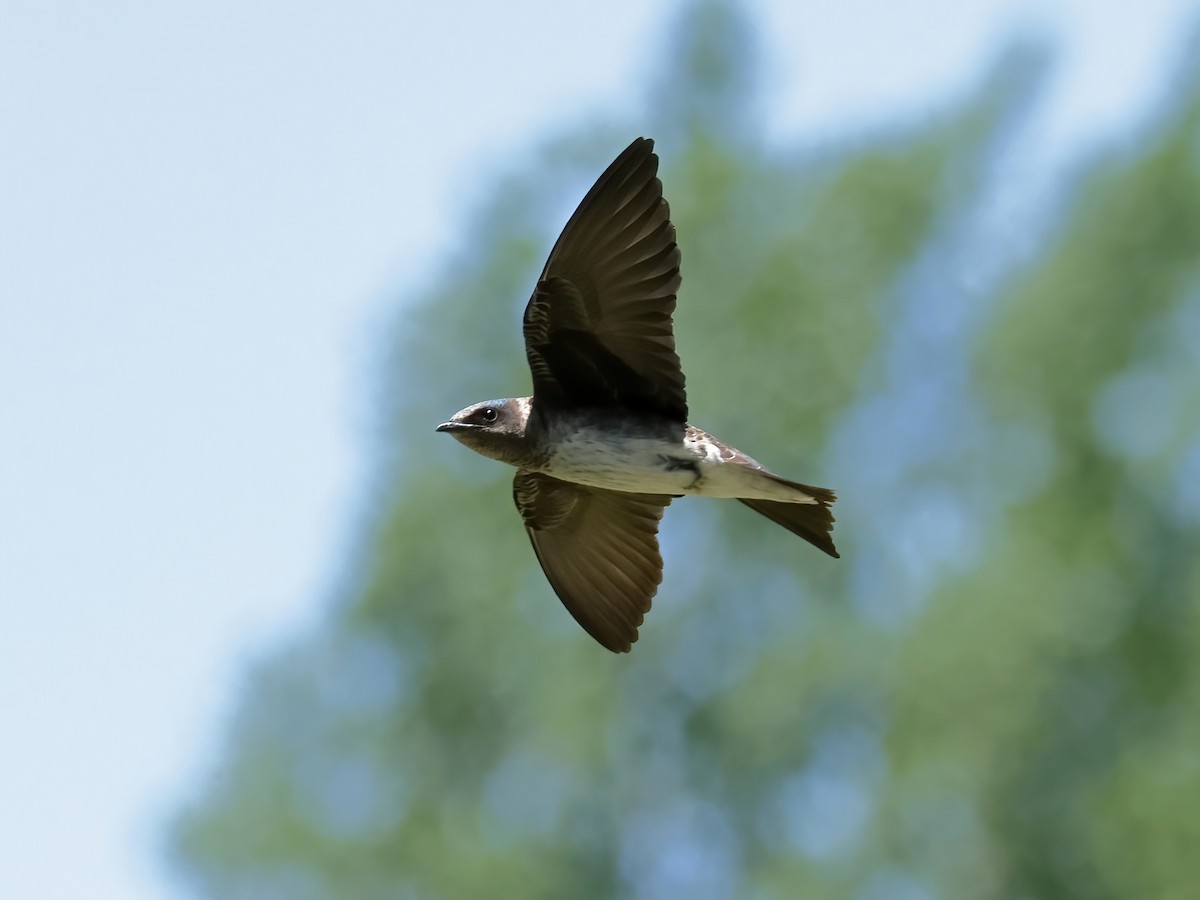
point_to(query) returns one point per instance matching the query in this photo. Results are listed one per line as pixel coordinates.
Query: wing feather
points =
(599, 550)
(598, 328)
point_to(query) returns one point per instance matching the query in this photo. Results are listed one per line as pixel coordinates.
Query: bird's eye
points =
(489, 415)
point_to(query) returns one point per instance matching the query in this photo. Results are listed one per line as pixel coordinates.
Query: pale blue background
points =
(207, 214)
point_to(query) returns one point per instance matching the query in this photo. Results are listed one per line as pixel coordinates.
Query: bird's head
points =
(494, 428)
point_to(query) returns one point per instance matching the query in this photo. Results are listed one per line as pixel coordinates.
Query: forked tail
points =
(811, 521)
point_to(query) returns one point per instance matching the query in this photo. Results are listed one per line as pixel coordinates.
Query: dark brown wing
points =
(599, 550)
(598, 329)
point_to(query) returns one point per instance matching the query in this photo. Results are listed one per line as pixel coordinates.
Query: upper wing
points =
(598, 329)
(599, 550)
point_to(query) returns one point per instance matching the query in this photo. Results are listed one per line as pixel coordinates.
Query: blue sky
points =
(207, 213)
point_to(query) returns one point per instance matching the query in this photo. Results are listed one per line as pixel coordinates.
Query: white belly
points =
(647, 465)
(637, 465)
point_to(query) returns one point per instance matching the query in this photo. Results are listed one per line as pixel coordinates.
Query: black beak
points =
(456, 426)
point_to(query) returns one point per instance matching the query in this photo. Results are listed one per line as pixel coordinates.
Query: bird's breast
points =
(624, 461)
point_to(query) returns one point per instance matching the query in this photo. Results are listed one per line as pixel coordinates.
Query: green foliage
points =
(993, 694)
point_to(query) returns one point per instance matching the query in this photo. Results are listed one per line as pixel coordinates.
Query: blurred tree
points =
(993, 694)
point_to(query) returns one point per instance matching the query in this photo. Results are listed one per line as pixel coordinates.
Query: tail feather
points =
(811, 521)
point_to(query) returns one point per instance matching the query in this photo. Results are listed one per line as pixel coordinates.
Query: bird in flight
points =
(604, 445)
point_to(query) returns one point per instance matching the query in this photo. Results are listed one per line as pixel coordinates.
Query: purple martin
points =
(604, 443)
